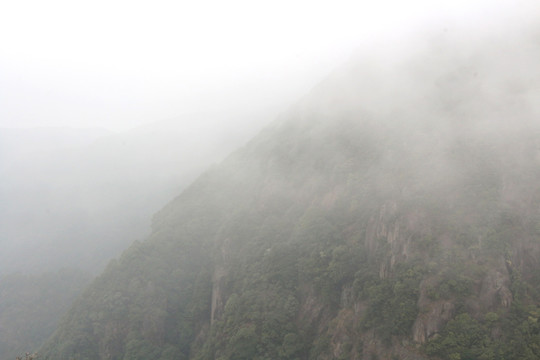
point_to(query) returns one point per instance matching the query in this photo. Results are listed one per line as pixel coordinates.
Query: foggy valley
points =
(95, 197)
(345, 191)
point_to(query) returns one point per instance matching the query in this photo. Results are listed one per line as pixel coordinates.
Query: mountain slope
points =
(392, 210)
(76, 198)
(32, 306)
(84, 201)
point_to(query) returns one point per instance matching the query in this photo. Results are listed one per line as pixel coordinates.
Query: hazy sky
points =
(118, 64)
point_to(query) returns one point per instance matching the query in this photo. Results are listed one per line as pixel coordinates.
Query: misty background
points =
(109, 109)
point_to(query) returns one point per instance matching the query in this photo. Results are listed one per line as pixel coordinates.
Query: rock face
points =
(494, 291)
(433, 321)
(342, 231)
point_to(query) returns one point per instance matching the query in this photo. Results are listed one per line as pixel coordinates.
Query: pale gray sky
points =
(117, 64)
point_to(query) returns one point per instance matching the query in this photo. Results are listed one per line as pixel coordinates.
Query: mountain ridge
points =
(367, 222)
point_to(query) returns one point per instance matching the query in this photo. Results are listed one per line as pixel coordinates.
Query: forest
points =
(352, 227)
(232, 181)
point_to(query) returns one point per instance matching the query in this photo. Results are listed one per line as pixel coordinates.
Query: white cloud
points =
(120, 63)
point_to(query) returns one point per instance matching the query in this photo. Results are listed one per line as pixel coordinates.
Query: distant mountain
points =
(76, 198)
(391, 214)
(16, 144)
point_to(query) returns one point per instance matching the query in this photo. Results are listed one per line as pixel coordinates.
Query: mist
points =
(85, 195)
(108, 113)
(101, 127)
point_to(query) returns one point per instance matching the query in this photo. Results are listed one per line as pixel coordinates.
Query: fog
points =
(109, 110)
(120, 64)
(218, 72)
(79, 204)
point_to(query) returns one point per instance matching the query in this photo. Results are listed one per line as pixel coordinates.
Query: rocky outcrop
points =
(384, 234)
(218, 279)
(495, 290)
(432, 321)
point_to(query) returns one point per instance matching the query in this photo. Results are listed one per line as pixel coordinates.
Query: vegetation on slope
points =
(31, 307)
(343, 231)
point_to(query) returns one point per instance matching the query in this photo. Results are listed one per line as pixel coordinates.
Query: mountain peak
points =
(391, 213)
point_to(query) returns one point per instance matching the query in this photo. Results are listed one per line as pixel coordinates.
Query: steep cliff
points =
(371, 220)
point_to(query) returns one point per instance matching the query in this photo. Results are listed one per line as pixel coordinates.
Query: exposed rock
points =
(495, 290)
(431, 322)
(218, 301)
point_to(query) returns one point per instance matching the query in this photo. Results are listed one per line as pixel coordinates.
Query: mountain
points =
(17, 144)
(391, 214)
(32, 305)
(77, 198)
